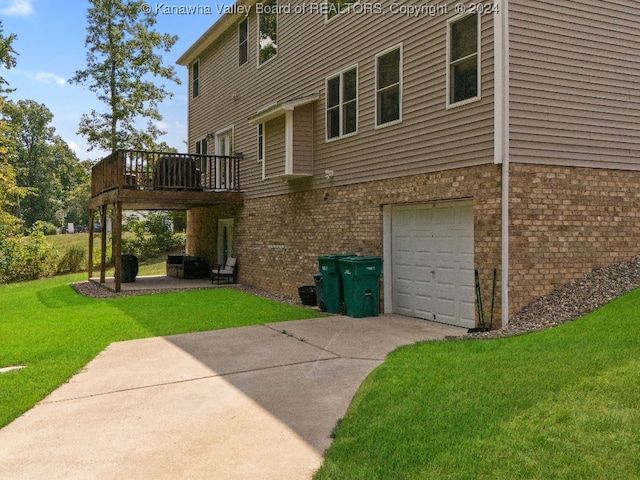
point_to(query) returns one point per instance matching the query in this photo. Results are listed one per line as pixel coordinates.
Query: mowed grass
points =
(46, 326)
(562, 403)
(63, 242)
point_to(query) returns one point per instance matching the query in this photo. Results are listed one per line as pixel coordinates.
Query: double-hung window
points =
(267, 30)
(463, 59)
(243, 44)
(195, 78)
(389, 86)
(342, 104)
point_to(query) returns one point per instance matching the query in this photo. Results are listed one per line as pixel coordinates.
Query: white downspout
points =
(501, 136)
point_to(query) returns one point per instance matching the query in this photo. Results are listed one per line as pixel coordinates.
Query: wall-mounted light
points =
(210, 136)
(329, 174)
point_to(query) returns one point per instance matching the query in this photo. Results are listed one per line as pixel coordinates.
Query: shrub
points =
(45, 227)
(25, 258)
(151, 237)
(73, 260)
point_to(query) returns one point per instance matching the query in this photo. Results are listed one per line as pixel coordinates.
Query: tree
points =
(9, 190)
(121, 61)
(42, 161)
(7, 56)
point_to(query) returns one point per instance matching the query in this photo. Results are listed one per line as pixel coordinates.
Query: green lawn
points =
(48, 327)
(151, 266)
(558, 404)
(562, 403)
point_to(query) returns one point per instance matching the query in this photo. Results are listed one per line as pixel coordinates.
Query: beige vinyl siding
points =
(575, 83)
(274, 155)
(430, 136)
(303, 140)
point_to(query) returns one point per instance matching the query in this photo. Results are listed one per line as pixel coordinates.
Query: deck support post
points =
(117, 246)
(92, 214)
(103, 243)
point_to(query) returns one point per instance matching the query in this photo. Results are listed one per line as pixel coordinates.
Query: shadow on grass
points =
(62, 296)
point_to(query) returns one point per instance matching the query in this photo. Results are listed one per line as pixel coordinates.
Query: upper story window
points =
(389, 86)
(243, 43)
(335, 7)
(342, 104)
(463, 59)
(267, 30)
(195, 78)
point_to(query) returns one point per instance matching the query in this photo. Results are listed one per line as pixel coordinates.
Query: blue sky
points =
(50, 47)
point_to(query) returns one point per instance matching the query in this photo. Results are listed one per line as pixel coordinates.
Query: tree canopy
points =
(42, 162)
(7, 56)
(121, 65)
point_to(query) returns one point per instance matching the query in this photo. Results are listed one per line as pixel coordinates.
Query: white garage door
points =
(432, 262)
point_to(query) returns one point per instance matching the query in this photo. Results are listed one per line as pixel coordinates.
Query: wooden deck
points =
(141, 180)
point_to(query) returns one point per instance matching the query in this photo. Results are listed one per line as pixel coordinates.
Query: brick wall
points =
(278, 239)
(566, 221)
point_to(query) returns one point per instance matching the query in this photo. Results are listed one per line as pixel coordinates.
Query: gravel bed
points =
(95, 290)
(573, 300)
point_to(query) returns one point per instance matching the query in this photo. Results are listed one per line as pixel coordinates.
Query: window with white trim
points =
(267, 30)
(389, 86)
(260, 130)
(463, 59)
(202, 147)
(335, 7)
(195, 78)
(243, 43)
(342, 104)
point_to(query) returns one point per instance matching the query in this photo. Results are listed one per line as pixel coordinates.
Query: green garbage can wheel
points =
(343, 308)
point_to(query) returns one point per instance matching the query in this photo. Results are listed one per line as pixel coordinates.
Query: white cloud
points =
(162, 125)
(16, 7)
(48, 77)
(74, 147)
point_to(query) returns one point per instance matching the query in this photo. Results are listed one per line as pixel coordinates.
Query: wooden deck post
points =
(117, 247)
(92, 213)
(103, 253)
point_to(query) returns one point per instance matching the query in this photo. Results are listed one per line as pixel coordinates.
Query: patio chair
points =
(226, 271)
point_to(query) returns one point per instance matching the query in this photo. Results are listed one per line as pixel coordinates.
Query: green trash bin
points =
(361, 279)
(331, 281)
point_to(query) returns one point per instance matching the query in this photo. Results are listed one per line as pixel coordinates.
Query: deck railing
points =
(142, 170)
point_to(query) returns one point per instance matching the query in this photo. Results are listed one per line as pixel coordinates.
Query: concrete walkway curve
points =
(256, 403)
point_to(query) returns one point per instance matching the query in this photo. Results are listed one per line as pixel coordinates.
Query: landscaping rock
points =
(573, 300)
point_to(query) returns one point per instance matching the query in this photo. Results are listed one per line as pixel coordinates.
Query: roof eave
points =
(228, 19)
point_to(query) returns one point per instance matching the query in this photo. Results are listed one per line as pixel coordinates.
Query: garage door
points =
(432, 262)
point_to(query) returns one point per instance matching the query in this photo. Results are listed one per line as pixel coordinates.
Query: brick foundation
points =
(278, 239)
(566, 221)
(563, 223)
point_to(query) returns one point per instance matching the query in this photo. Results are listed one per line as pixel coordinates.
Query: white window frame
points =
(223, 165)
(261, 147)
(199, 146)
(400, 76)
(478, 52)
(341, 103)
(347, 4)
(243, 45)
(195, 81)
(260, 64)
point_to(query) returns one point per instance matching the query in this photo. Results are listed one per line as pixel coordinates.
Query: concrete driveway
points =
(255, 403)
